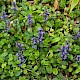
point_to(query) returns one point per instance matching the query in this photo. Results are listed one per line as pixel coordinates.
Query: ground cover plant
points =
(39, 42)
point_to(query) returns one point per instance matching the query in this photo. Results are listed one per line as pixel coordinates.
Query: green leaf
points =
(45, 1)
(43, 62)
(62, 3)
(2, 25)
(36, 1)
(71, 57)
(56, 39)
(12, 30)
(3, 65)
(6, 34)
(42, 70)
(10, 58)
(56, 79)
(23, 65)
(3, 76)
(51, 54)
(4, 54)
(35, 68)
(36, 54)
(9, 45)
(11, 74)
(46, 42)
(1, 35)
(63, 66)
(70, 69)
(17, 73)
(23, 13)
(49, 69)
(75, 64)
(1, 60)
(21, 78)
(73, 4)
(77, 70)
(55, 71)
(2, 42)
(17, 68)
(25, 71)
(24, 6)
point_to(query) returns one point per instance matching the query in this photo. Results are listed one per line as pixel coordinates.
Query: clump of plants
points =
(38, 43)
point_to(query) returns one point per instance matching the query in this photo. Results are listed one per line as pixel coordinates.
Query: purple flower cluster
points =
(29, 20)
(20, 58)
(40, 35)
(6, 28)
(14, 6)
(46, 13)
(64, 50)
(4, 16)
(38, 39)
(20, 46)
(76, 36)
(34, 40)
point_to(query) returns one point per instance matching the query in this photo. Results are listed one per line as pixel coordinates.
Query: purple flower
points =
(18, 54)
(20, 58)
(67, 47)
(78, 57)
(29, 20)
(14, 6)
(20, 46)
(46, 13)
(4, 16)
(23, 60)
(64, 56)
(40, 34)
(64, 50)
(76, 36)
(20, 65)
(34, 40)
(38, 39)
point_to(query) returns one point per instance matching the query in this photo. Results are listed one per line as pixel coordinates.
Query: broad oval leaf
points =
(56, 39)
(55, 71)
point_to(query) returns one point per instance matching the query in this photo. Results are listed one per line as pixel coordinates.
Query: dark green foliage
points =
(45, 61)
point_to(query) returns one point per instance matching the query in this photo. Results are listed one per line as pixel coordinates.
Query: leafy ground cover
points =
(39, 41)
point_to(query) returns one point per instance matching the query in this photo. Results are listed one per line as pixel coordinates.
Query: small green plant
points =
(38, 43)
